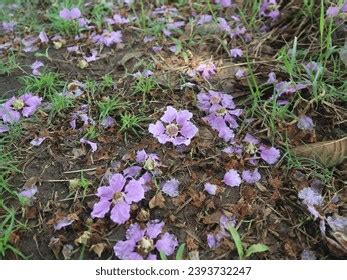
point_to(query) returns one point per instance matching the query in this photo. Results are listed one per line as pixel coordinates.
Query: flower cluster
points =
(142, 243)
(16, 107)
(221, 111)
(117, 198)
(269, 9)
(174, 127)
(72, 14)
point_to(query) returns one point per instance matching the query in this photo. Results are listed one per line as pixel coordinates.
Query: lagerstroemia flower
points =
(149, 161)
(143, 243)
(64, 222)
(333, 11)
(236, 52)
(25, 105)
(271, 78)
(222, 112)
(269, 8)
(232, 178)
(72, 14)
(174, 127)
(108, 38)
(43, 37)
(210, 188)
(305, 123)
(207, 70)
(251, 177)
(213, 240)
(224, 3)
(37, 141)
(92, 145)
(310, 196)
(35, 67)
(117, 198)
(171, 187)
(270, 155)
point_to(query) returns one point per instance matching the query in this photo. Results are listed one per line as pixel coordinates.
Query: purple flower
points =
(8, 26)
(108, 38)
(173, 48)
(107, 122)
(37, 141)
(224, 25)
(29, 192)
(64, 222)
(119, 195)
(15, 107)
(240, 73)
(117, 19)
(234, 149)
(43, 37)
(236, 52)
(80, 114)
(272, 78)
(251, 139)
(224, 3)
(150, 161)
(72, 49)
(308, 255)
(270, 155)
(212, 241)
(92, 56)
(269, 8)
(178, 128)
(171, 187)
(206, 101)
(251, 177)
(337, 223)
(72, 14)
(310, 196)
(333, 11)
(35, 67)
(204, 19)
(92, 145)
(225, 222)
(311, 67)
(220, 125)
(141, 243)
(210, 188)
(305, 123)
(206, 70)
(232, 178)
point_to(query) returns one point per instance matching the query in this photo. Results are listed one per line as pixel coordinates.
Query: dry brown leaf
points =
(157, 200)
(328, 153)
(98, 248)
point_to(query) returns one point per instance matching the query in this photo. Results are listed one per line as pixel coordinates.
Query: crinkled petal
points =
(117, 182)
(123, 249)
(154, 228)
(156, 129)
(171, 187)
(167, 244)
(232, 178)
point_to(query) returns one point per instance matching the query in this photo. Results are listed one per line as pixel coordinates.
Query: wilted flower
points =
(210, 188)
(119, 195)
(270, 155)
(202, 19)
(269, 8)
(206, 70)
(8, 27)
(224, 3)
(92, 145)
(236, 52)
(81, 115)
(171, 187)
(251, 177)
(72, 14)
(305, 123)
(224, 25)
(150, 162)
(240, 73)
(178, 128)
(272, 78)
(35, 67)
(141, 243)
(43, 37)
(64, 222)
(310, 196)
(232, 178)
(108, 38)
(29, 192)
(15, 107)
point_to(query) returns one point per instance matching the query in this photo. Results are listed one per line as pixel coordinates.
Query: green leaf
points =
(256, 248)
(162, 255)
(237, 240)
(180, 251)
